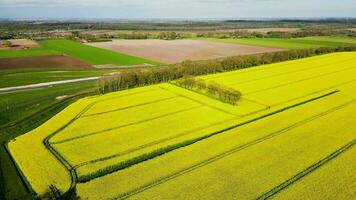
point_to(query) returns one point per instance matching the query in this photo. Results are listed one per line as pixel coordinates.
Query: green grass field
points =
(95, 56)
(28, 53)
(194, 146)
(349, 40)
(289, 43)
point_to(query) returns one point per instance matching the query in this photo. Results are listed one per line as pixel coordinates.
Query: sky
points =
(175, 9)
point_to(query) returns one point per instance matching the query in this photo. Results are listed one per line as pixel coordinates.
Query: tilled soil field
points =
(174, 51)
(42, 62)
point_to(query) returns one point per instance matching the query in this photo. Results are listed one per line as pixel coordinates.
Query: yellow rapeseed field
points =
(280, 147)
(163, 141)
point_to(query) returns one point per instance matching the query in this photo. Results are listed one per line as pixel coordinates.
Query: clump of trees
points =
(148, 76)
(211, 88)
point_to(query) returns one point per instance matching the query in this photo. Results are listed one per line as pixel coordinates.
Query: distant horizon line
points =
(261, 19)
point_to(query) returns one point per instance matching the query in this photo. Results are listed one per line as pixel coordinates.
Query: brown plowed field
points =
(173, 51)
(42, 62)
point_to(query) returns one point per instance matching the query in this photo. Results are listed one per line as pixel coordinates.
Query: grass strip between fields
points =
(161, 151)
(231, 151)
(307, 171)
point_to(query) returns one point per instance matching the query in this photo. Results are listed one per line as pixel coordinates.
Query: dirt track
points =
(174, 51)
(42, 62)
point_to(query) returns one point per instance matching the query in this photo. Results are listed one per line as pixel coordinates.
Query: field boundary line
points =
(300, 80)
(151, 144)
(161, 151)
(280, 74)
(128, 107)
(126, 125)
(205, 104)
(306, 171)
(231, 151)
(256, 102)
(58, 156)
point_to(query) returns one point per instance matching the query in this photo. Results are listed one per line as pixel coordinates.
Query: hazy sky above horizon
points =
(30, 9)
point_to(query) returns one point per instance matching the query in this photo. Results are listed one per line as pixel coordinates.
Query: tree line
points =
(211, 88)
(141, 77)
(277, 34)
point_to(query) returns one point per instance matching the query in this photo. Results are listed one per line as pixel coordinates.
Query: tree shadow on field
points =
(53, 193)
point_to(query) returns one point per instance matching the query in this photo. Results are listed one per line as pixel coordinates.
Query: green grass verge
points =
(93, 55)
(17, 105)
(11, 78)
(28, 53)
(280, 43)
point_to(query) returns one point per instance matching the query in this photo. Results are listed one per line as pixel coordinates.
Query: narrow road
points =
(47, 84)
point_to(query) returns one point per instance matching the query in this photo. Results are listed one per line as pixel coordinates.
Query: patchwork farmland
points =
(92, 55)
(174, 51)
(167, 142)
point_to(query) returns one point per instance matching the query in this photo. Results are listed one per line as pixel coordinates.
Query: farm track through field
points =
(126, 125)
(234, 150)
(307, 171)
(289, 72)
(58, 156)
(200, 102)
(300, 80)
(333, 87)
(159, 152)
(150, 144)
(128, 107)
